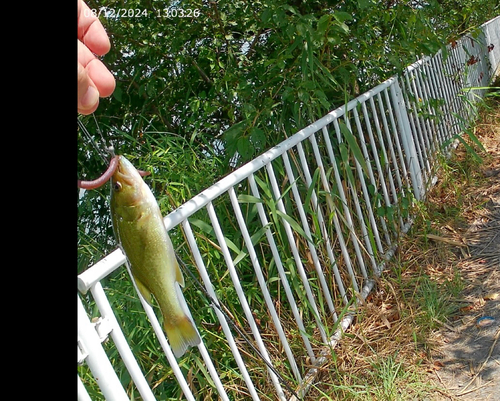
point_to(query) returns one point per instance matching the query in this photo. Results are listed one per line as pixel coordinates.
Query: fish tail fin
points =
(182, 335)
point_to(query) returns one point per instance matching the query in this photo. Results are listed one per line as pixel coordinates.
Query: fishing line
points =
(214, 304)
(110, 150)
(92, 141)
(197, 283)
(99, 131)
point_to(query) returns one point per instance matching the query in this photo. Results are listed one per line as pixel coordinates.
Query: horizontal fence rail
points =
(296, 238)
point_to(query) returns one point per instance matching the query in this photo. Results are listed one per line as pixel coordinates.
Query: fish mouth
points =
(124, 177)
(124, 174)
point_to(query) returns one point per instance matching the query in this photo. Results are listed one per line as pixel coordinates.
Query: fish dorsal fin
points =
(178, 274)
(173, 260)
(183, 303)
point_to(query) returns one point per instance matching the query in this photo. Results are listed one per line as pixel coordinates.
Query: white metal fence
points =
(300, 233)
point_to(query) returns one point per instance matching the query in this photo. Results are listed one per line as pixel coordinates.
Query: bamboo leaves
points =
(352, 147)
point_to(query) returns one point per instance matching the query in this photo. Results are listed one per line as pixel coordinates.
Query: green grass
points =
(386, 379)
(377, 360)
(422, 283)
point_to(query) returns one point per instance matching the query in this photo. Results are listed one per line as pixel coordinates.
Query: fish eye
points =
(117, 186)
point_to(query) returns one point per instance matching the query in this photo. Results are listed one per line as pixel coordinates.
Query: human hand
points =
(94, 79)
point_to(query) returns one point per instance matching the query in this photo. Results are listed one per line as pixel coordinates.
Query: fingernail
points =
(90, 98)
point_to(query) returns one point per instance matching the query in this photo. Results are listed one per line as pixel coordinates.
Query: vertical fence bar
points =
(163, 341)
(394, 137)
(354, 194)
(241, 296)
(334, 212)
(453, 88)
(97, 360)
(334, 216)
(371, 176)
(444, 95)
(368, 204)
(424, 108)
(307, 231)
(433, 107)
(385, 155)
(262, 283)
(121, 343)
(336, 222)
(222, 319)
(377, 158)
(459, 64)
(389, 140)
(281, 270)
(407, 139)
(417, 127)
(396, 130)
(492, 34)
(295, 251)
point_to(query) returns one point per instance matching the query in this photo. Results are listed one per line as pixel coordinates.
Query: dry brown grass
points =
(390, 352)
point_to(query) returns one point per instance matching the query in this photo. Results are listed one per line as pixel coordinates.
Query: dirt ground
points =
(430, 328)
(467, 364)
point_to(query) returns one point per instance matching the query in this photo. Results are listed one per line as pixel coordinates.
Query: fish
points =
(141, 233)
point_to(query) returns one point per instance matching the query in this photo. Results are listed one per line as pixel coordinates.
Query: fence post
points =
(408, 141)
(491, 31)
(97, 360)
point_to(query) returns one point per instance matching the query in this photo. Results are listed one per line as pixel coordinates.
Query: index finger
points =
(90, 30)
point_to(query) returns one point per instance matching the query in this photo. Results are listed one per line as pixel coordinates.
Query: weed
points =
(434, 302)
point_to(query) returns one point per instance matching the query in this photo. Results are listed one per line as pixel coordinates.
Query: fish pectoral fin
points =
(145, 292)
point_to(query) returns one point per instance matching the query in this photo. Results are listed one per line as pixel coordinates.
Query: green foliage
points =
(250, 73)
(195, 97)
(457, 17)
(178, 170)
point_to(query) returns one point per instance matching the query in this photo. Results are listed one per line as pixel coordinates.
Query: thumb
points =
(88, 95)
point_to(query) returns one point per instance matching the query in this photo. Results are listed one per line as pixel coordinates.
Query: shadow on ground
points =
(468, 363)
